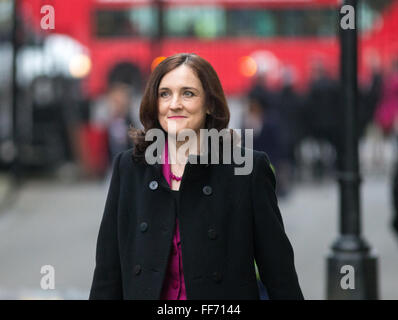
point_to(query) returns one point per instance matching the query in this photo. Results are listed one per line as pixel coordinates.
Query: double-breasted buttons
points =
(212, 234)
(143, 226)
(153, 185)
(137, 269)
(207, 190)
(216, 276)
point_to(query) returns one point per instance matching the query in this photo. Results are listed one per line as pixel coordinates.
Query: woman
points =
(183, 230)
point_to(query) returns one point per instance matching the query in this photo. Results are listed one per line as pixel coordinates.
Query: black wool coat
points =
(226, 222)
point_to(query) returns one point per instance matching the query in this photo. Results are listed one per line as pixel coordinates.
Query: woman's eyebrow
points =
(183, 88)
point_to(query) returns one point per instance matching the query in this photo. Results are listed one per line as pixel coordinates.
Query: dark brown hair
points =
(215, 98)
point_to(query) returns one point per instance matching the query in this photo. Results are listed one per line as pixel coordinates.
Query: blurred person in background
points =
(140, 253)
(262, 116)
(112, 113)
(119, 103)
(322, 115)
(370, 93)
(54, 119)
(387, 118)
(289, 106)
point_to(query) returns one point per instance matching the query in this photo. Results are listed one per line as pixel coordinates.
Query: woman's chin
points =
(178, 130)
(175, 133)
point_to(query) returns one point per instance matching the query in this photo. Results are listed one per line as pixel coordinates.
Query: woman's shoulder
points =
(122, 156)
(126, 159)
(261, 156)
(263, 166)
(254, 155)
(250, 162)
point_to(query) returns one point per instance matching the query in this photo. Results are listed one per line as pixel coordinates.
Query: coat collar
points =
(195, 168)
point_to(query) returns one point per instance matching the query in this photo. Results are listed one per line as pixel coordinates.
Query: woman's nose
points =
(175, 102)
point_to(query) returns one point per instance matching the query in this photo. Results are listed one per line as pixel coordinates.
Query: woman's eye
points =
(186, 93)
(162, 94)
(190, 93)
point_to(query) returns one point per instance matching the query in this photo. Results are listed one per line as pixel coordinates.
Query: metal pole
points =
(352, 270)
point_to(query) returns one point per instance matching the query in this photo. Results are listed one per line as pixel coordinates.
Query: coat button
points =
(217, 277)
(137, 269)
(207, 190)
(153, 185)
(212, 234)
(143, 227)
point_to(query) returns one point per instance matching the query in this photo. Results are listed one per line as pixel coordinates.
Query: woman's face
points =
(181, 101)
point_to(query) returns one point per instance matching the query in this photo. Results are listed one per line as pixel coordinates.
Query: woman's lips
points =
(176, 117)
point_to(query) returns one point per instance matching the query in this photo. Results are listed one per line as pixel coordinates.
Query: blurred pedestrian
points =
(289, 107)
(266, 125)
(181, 230)
(113, 113)
(119, 103)
(387, 118)
(323, 115)
(370, 93)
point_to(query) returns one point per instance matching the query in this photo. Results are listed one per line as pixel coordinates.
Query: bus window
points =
(249, 23)
(135, 22)
(217, 21)
(319, 23)
(194, 21)
(370, 12)
(281, 22)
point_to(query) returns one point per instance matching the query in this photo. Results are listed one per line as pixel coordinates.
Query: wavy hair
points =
(214, 98)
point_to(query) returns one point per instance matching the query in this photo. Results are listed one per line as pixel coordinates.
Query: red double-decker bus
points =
(238, 37)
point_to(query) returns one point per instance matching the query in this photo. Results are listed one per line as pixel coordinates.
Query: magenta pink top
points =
(174, 285)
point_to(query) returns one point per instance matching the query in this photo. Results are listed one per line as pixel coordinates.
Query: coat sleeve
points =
(273, 252)
(107, 282)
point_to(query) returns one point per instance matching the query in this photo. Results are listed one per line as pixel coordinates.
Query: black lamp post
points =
(350, 249)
